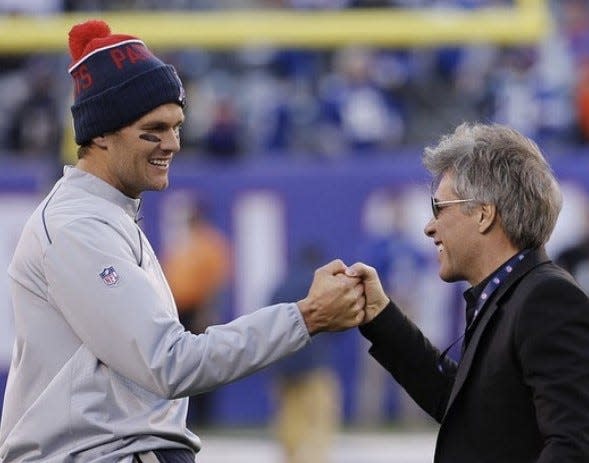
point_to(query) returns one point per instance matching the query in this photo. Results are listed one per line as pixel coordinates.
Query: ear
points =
(486, 217)
(100, 141)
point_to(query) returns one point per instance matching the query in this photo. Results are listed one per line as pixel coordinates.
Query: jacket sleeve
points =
(552, 342)
(131, 325)
(402, 349)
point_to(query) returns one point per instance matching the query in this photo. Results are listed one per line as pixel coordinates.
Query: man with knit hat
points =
(101, 366)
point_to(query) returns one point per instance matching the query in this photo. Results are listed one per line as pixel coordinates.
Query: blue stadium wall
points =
(321, 202)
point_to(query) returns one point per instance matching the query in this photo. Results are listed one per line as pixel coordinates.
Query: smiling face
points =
(137, 157)
(456, 236)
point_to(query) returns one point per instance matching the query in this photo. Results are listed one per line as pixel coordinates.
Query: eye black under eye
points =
(150, 137)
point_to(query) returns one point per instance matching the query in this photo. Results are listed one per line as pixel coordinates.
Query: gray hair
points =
(495, 164)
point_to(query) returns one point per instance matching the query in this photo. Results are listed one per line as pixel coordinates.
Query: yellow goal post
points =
(526, 22)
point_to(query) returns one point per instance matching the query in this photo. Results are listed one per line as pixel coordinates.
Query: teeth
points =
(160, 162)
(440, 247)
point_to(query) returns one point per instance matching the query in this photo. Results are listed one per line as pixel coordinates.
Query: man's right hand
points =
(335, 302)
(376, 298)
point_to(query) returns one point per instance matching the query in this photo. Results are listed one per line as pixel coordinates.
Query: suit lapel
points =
(533, 259)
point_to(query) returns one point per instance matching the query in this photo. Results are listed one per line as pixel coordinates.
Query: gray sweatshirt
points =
(101, 368)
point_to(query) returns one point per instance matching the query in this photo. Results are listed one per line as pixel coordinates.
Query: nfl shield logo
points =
(109, 276)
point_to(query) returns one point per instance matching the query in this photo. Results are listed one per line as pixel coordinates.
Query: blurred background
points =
(306, 121)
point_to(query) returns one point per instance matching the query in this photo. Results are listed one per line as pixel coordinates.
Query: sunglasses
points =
(438, 205)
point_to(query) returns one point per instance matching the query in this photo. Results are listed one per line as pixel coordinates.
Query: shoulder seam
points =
(43, 214)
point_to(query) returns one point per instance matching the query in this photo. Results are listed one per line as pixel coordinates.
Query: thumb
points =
(334, 267)
(361, 270)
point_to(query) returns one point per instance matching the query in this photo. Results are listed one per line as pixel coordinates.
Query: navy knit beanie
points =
(117, 80)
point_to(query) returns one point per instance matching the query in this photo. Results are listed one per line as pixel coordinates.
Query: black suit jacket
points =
(520, 394)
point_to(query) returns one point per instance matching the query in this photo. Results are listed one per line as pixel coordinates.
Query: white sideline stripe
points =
(393, 447)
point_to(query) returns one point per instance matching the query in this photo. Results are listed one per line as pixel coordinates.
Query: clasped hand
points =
(342, 297)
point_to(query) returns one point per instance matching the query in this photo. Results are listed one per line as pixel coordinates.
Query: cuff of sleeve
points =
(380, 326)
(299, 321)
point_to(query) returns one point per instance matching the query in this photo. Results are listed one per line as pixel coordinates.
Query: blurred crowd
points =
(327, 103)
(54, 6)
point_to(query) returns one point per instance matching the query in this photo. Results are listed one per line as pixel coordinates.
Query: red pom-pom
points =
(82, 34)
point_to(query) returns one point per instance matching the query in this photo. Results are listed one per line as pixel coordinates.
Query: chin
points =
(159, 186)
(449, 277)
(452, 278)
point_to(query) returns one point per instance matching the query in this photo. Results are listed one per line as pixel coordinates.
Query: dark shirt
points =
(472, 295)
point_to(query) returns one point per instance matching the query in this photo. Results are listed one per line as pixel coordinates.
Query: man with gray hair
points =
(520, 392)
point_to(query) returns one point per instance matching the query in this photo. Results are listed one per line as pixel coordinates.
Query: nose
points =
(430, 228)
(170, 140)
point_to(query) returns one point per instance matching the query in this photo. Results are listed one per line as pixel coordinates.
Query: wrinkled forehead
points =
(445, 179)
(168, 113)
